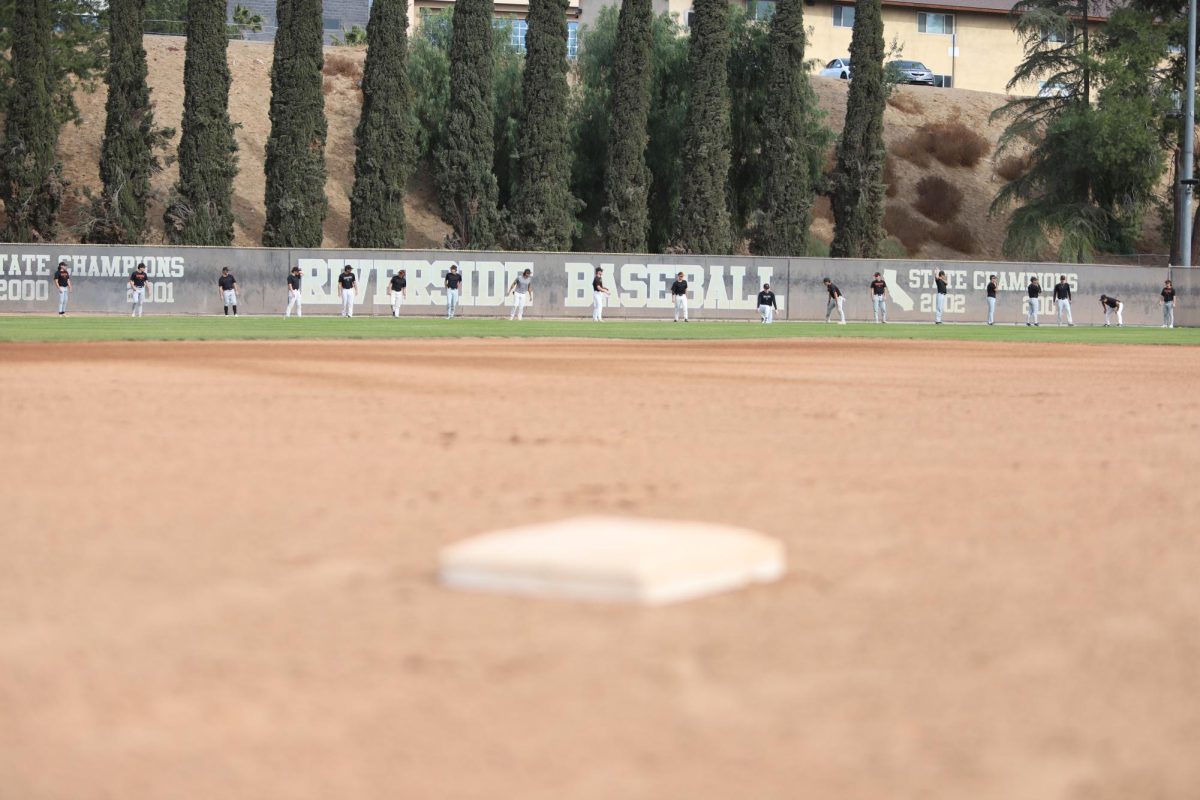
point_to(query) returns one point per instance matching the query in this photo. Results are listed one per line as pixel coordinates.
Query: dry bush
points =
(327, 87)
(345, 66)
(949, 141)
(957, 236)
(822, 208)
(938, 199)
(910, 229)
(890, 180)
(905, 103)
(1012, 167)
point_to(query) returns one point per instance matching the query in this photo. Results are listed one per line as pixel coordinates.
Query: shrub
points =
(910, 229)
(949, 141)
(1012, 167)
(956, 236)
(891, 248)
(938, 199)
(822, 208)
(905, 103)
(343, 66)
(890, 180)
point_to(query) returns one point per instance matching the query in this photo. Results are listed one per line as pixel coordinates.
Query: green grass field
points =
(110, 328)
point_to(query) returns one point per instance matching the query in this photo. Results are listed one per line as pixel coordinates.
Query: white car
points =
(838, 68)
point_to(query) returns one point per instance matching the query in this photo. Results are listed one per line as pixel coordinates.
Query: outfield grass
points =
(111, 328)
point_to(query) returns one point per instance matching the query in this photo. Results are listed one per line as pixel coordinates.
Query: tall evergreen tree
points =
(384, 137)
(543, 210)
(128, 152)
(858, 191)
(200, 211)
(30, 172)
(789, 144)
(624, 220)
(295, 157)
(466, 184)
(702, 223)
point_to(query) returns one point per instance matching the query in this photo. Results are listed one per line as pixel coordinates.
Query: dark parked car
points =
(911, 72)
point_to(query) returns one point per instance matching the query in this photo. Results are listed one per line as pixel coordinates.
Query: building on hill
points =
(968, 44)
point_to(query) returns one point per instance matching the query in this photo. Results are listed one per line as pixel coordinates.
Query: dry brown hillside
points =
(918, 120)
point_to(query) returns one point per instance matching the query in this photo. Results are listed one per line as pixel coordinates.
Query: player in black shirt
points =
(836, 300)
(766, 305)
(1034, 291)
(138, 280)
(1168, 304)
(227, 288)
(398, 289)
(679, 295)
(879, 297)
(991, 299)
(598, 292)
(939, 306)
(347, 281)
(294, 298)
(453, 279)
(62, 278)
(1062, 300)
(1109, 305)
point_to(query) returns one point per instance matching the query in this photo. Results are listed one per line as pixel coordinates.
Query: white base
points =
(613, 559)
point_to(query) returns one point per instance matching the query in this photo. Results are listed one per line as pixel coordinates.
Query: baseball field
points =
(218, 560)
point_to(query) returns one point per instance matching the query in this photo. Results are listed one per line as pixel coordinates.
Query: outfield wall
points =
(721, 287)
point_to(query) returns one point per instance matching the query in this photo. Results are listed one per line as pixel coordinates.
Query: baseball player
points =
(679, 295)
(991, 299)
(836, 300)
(398, 289)
(62, 278)
(598, 292)
(522, 291)
(1035, 291)
(879, 297)
(766, 305)
(227, 288)
(347, 281)
(138, 281)
(453, 279)
(1062, 299)
(1109, 305)
(939, 306)
(1168, 304)
(294, 298)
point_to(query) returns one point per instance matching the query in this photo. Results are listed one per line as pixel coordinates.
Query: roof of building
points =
(1099, 9)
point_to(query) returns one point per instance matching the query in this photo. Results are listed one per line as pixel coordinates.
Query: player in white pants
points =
(878, 289)
(1168, 304)
(452, 281)
(1111, 304)
(766, 305)
(991, 299)
(1062, 300)
(294, 297)
(1035, 292)
(398, 289)
(227, 288)
(598, 293)
(138, 281)
(347, 281)
(522, 292)
(679, 294)
(837, 301)
(939, 307)
(62, 279)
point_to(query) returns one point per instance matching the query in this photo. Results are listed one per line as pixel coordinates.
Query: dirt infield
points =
(216, 578)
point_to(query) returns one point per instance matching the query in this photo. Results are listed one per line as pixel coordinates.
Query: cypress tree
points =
(543, 208)
(295, 157)
(624, 220)
(702, 223)
(787, 150)
(384, 138)
(467, 186)
(30, 172)
(127, 154)
(200, 211)
(857, 192)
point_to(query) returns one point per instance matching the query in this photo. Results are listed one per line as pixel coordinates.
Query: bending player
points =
(1109, 305)
(836, 300)
(522, 291)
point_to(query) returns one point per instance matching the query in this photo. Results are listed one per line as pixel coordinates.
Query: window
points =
(843, 16)
(760, 10)
(1057, 37)
(691, 15)
(572, 39)
(944, 81)
(935, 23)
(516, 31)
